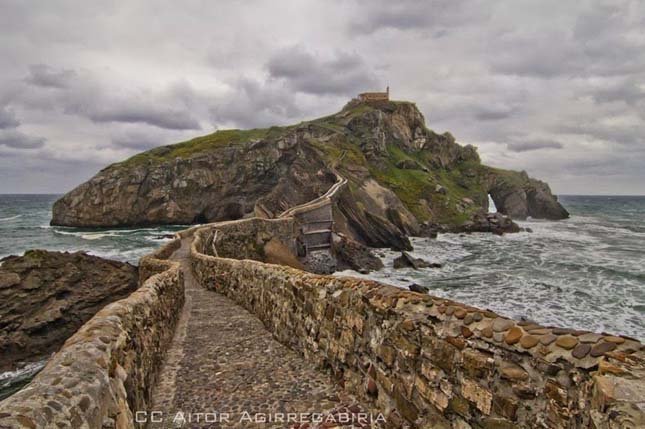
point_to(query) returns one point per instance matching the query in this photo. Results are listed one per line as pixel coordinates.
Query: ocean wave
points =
(28, 369)
(3, 219)
(96, 236)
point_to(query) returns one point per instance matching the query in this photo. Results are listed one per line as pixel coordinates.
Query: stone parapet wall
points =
(245, 238)
(104, 373)
(157, 262)
(432, 362)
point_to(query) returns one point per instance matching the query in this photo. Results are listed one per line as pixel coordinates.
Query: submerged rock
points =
(46, 296)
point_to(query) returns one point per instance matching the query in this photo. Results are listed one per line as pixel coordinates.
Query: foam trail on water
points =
(10, 218)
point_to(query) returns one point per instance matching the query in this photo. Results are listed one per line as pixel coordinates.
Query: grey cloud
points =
(529, 145)
(494, 113)
(142, 113)
(344, 73)
(8, 118)
(629, 135)
(253, 103)
(597, 45)
(438, 16)
(45, 76)
(19, 140)
(89, 96)
(135, 141)
(630, 91)
(140, 138)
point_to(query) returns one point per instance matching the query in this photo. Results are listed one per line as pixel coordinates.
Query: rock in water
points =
(519, 196)
(414, 287)
(497, 223)
(46, 296)
(353, 255)
(408, 261)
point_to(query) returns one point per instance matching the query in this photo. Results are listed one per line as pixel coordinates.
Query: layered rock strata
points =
(46, 296)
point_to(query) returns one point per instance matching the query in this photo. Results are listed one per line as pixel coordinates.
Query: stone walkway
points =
(225, 370)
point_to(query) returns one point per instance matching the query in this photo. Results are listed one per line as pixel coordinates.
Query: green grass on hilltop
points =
(198, 145)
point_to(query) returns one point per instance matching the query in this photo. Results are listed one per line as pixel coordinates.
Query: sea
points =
(586, 272)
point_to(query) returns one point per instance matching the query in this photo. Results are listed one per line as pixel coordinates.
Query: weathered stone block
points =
(477, 394)
(444, 355)
(505, 406)
(433, 394)
(407, 409)
(476, 364)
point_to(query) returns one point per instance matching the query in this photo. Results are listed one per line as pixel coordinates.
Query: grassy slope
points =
(199, 145)
(411, 186)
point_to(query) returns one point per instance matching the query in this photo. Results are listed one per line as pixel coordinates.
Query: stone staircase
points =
(316, 217)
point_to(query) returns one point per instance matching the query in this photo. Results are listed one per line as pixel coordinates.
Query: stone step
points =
(318, 231)
(319, 246)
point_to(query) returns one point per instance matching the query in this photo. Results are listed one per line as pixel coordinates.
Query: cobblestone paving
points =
(225, 370)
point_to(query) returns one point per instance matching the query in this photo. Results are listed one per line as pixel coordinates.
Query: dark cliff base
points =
(46, 296)
(401, 176)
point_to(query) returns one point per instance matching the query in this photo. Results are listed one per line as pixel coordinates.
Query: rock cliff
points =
(401, 176)
(46, 296)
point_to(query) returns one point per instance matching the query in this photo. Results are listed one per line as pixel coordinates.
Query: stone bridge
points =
(209, 341)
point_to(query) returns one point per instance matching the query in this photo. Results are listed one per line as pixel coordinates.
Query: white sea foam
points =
(28, 369)
(561, 274)
(4, 219)
(96, 236)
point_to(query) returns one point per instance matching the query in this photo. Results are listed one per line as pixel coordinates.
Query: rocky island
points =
(402, 179)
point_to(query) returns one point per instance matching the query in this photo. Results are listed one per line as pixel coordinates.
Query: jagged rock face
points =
(401, 175)
(221, 185)
(46, 296)
(521, 197)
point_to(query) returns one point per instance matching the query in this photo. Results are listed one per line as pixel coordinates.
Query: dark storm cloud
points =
(8, 118)
(45, 76)
(18, 140)
(304, 71)
(530, 145)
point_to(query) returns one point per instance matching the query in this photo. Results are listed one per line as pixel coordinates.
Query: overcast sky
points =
(556, 88)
